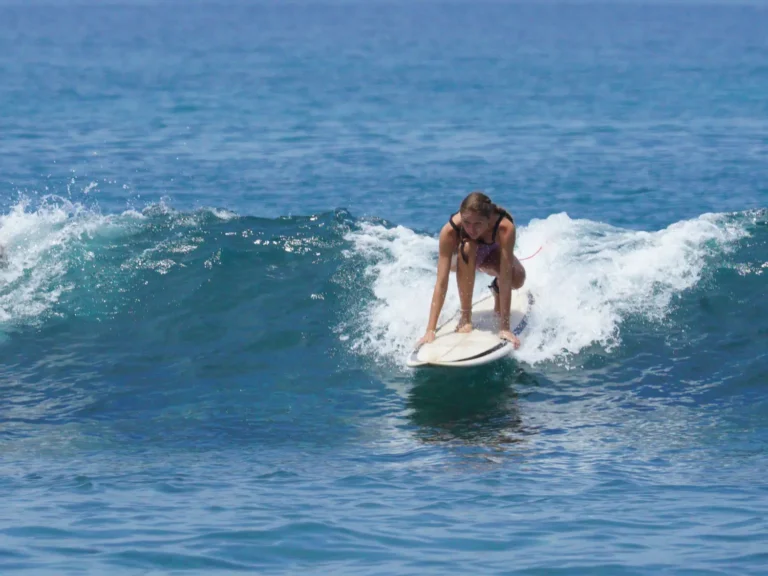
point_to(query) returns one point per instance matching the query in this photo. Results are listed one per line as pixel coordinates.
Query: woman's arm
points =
(446, 248)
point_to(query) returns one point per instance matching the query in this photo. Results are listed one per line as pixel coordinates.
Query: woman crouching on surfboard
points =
(480, 236)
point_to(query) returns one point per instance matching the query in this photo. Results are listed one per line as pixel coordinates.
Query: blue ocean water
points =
(220, 222)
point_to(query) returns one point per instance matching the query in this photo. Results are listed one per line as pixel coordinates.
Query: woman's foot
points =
(464, 328)
(465, 323)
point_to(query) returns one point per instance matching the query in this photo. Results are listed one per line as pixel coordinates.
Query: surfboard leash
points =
(532, 255)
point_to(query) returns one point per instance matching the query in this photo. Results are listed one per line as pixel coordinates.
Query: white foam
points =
(41, 245)
(588, 279)
(223, 214)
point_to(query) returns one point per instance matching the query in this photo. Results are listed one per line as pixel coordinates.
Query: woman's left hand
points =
(507, 335)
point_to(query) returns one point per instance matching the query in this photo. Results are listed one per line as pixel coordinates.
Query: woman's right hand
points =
(426, 339)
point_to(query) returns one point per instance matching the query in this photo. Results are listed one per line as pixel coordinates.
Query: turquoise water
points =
(220, 223)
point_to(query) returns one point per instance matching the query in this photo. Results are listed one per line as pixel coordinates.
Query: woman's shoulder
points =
(453, 223)
(506, 226)
(450, 230)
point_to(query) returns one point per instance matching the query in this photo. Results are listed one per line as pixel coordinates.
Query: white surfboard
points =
(480, 346)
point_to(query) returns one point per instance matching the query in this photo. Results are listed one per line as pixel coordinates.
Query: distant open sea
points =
(220, 222)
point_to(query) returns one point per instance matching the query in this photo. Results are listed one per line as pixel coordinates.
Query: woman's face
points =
(474, 224)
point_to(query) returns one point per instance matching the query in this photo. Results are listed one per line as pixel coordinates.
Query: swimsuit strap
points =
(503, 214)
(453, 224)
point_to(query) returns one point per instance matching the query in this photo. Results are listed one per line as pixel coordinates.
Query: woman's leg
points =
(465, 280)
(491, 266)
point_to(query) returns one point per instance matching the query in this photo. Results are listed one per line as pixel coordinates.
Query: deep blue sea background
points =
(220, 222)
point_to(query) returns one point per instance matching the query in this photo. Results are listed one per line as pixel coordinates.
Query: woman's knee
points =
(518, 276)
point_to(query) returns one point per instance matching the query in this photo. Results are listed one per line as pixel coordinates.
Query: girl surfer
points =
(480, 236)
